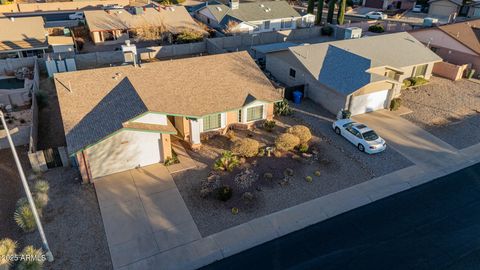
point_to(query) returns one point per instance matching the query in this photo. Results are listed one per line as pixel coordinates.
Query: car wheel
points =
(337, 130)
(361, 147)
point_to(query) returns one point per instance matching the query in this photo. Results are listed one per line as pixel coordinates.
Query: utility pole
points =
(46, 248)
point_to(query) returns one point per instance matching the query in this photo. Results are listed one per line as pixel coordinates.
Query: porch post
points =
(195, 132)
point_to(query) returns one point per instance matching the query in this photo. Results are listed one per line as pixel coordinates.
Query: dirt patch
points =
(50, 126)
(449, 110)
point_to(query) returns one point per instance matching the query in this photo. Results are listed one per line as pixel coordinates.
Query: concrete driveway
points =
(413, 142)
(143, 214)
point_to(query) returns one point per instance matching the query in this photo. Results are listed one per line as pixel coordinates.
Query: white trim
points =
(254, 104)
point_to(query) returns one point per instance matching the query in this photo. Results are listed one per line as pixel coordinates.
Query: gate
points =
(52, 158)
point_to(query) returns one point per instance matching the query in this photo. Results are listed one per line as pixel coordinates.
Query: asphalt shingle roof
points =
(342, 65)
(252, 11)
(97, 102)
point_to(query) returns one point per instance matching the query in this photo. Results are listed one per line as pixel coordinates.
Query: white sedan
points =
(364, 138)
(375, 15)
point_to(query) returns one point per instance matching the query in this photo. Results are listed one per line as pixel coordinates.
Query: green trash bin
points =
(470, 73)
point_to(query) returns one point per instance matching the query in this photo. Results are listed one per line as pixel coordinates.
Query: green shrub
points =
(235, 210)
(7, 248)
(41, 186)
(395, 104)
(269, 125)
(24, 218)
(303, 148)
(346, 114)
(288, 172)
(171, 160)
(189, 37)
(302, 132)
(42, 99)
(308, 179)
(224, 193)
(407, 83)
(286, 142)
(41, 200)
(246, 147)
(417, 81)
(261, 152)
(268, 176)
(327, 30)
(317, 173)
(227, 162)
(34, 259)
(282, 108)
(376, 28)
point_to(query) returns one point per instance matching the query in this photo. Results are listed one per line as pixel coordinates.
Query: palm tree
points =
(311, 6)
(341, 12)
(318, 18)
(331, 9)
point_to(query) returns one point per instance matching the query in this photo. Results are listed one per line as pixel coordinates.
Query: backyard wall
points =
(15, 63)
(52, 6)
(449, 71)
(389, 26)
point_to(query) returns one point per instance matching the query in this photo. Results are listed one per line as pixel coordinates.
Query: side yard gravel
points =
(345, 167)
(449, 110)
(73, 224)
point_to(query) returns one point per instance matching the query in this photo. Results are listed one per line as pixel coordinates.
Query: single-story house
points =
(251, 17)
(22, 37)
(361, 75)
(389, 4)
(453, 8)
(112, 26)
(456, 43)
(120, 118)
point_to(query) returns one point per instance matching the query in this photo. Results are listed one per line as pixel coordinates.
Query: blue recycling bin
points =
(297, 97)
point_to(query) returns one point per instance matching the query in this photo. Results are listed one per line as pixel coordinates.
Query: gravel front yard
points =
(449, 110)
(341, 167)
(73, 224)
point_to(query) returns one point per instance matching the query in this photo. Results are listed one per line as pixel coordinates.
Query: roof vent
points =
(262, 5)
(12, 19)
(219, 8)
(171, 8)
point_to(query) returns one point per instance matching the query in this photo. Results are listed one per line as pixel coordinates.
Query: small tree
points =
(331, 9)
(318, 18)
(311, 6)
(227, 162)
(341, 12)
(232, 27)
(150, 32)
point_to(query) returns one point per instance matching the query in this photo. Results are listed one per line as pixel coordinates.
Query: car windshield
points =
(370, 135)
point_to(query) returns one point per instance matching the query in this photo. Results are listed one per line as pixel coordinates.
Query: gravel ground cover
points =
(339, 164)
(449, 110)
(73, 224)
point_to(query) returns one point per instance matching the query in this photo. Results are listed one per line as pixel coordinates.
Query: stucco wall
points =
(449, 71)
(442, 8)
(124, 150)
(436, 38)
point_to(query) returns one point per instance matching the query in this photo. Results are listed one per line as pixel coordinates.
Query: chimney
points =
(234, 4)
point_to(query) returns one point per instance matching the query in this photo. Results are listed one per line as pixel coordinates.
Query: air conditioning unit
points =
(353, 32)
(428, 22)
(129, 53)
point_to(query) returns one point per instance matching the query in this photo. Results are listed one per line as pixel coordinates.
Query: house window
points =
(390, 74)
(420, 70)
(293, 73)
(266, 24)
(208, 20)
(213, 121)
(239, 116)
(286, 24)
(254, 113)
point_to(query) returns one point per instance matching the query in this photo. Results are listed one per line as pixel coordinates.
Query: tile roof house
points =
(360, 75)
(112, 26)
(23, 36)
(251, 17)
(457, 43)
(119, 118)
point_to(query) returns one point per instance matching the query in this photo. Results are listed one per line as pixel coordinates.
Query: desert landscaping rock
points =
(449, 110)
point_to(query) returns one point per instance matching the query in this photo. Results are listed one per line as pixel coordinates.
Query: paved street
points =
(433, 226)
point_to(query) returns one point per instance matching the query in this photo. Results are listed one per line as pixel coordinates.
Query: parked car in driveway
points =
(363, 137)
(376, 15)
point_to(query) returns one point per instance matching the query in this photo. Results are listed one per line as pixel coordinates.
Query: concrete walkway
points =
(413, 142)
(143, 214)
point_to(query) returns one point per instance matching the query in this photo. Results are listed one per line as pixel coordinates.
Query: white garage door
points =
(123, 151)
(369, 102)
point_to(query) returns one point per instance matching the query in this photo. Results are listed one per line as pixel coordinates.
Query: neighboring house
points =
(251, 17)
(22, 37)
(389, 4)
(120, 118)
(361, 75)
(453, 8)
(113, 26)
(456, 43)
